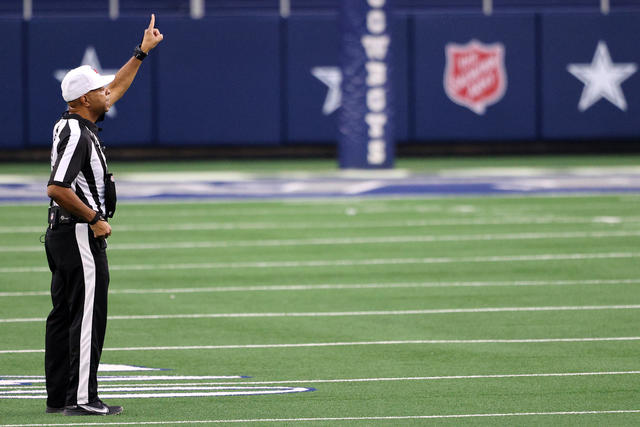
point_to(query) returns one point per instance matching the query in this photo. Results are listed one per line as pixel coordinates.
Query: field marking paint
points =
(265, 387)
(347, 263)
(349, 313)
(322, 287)
(146, 386)
(388, 418)
(348, 344)
(13, 393)
(115, 387)
(112, 378)
(344, 224)
(213, 385)
(135, 387)
(448, 377)
(349, 241)
(172, 385)
(195, 392)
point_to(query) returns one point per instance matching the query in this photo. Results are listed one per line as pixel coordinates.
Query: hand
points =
(152, 36)
(101, 229)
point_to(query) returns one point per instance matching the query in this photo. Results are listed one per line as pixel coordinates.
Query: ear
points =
(85, 100)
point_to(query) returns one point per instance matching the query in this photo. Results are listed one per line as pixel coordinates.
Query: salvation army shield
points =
(475, 75)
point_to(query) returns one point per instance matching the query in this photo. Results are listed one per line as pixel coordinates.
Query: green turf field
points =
(434, 164)
(451, 310)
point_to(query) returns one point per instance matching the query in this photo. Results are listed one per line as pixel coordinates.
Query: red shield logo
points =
(475, 75)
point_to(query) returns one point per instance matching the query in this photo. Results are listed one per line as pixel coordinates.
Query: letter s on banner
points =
(376, 152)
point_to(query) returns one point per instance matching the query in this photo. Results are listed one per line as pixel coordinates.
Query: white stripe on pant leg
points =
(89, 269)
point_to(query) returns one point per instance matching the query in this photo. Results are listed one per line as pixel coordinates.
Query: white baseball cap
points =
(81, 80)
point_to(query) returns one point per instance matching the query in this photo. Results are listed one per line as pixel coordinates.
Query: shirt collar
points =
(87, 123)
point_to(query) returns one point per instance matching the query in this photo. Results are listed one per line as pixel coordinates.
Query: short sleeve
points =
(72, 152)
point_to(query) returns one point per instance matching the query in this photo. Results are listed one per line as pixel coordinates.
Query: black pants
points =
(77, 323)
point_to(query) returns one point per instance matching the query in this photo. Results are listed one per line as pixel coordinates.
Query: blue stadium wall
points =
(262, 80)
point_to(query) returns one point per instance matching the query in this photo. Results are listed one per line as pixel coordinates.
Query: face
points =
(99, 100)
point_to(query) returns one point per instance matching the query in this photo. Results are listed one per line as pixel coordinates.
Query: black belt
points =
(65, 217)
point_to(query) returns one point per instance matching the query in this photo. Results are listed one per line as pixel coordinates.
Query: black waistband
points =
(64, 217)
(58, 215)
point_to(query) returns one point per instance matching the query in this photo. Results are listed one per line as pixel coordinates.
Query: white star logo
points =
(332, 77)
(602, 79)
(91, 58)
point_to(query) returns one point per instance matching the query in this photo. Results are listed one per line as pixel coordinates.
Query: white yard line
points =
(388, 418)
(325, 287)
(198, 392)
(443, 377)
(351, 344)
(168, 385)
(143, 386)
(347, 263)
(343, 224)
(349, 313)
(112, 378)
(349, 241)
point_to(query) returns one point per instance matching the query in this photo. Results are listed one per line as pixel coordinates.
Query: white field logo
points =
(147, 386)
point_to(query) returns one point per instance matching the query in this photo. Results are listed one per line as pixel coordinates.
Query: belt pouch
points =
(53, 217)
(110, 198)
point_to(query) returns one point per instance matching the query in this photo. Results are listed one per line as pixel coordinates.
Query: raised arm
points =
(126, 74)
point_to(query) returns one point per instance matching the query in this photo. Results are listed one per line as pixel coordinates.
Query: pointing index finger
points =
(152, 23)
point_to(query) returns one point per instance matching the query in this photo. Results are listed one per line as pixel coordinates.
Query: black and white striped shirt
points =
(77, 160)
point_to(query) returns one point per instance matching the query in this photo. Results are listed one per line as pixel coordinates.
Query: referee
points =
(82, 196)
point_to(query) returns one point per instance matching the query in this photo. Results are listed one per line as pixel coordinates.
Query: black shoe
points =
(96, 408)
(54, 410)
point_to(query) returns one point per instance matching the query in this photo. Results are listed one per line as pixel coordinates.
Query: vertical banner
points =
(365, 138)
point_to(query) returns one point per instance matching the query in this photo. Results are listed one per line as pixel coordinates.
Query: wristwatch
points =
(138, 53)
(96, 218)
